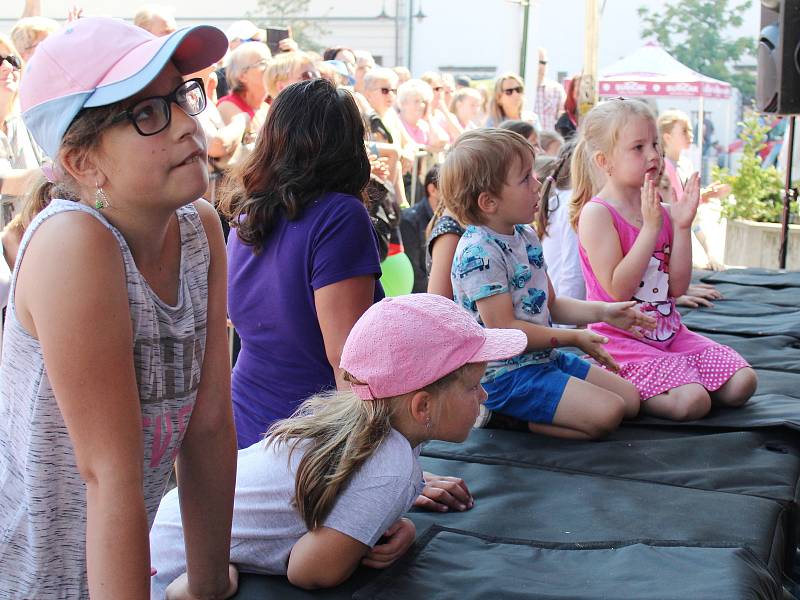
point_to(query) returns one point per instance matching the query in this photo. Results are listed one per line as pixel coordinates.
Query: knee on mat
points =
(632, 400)
(611, 417)
(743, 386)
(690, 405)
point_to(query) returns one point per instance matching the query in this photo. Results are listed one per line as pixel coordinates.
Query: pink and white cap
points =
(96, 61)
(402, 344)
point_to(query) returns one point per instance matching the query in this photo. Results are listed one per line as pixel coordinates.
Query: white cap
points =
(244, 30)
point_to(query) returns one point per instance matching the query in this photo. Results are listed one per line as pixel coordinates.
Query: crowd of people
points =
(402, 258)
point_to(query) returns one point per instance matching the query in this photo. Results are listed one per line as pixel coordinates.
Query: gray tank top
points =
(42, 497)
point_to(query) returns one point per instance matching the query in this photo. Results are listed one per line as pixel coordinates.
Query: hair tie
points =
(50, 172)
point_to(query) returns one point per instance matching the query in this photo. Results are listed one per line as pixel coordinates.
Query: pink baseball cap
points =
(96, 61)
(402, 344)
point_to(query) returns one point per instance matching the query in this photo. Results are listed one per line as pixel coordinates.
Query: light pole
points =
(523, 53)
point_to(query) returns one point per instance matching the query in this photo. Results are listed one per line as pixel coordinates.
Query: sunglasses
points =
(11, 60)
(152, 115)
(262, 63)
(386, 91)
(510, 91)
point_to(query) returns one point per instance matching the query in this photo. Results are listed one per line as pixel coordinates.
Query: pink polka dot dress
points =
(670, 355)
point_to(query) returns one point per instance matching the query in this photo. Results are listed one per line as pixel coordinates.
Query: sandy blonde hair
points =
(667, 120)
(339, 432)
(496, 113)
(281, 67)
(598, 134)
(26, 31)
(479, 161)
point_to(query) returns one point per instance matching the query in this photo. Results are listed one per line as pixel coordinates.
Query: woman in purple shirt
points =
(304, 264)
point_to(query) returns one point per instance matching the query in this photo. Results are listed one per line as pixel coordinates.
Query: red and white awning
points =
(652, 71)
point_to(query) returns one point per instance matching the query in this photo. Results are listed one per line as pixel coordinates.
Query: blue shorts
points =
(532, 392)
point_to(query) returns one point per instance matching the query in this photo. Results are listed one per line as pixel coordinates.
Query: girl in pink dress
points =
(632, 247)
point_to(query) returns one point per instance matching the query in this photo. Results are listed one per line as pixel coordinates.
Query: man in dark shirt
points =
(414, 222)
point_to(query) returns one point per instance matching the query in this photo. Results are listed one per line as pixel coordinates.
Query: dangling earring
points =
(428, 425)
(100, 198)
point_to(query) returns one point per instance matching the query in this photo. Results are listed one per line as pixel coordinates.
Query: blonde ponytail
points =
(337, 432)
(598, 134)
(582, 187)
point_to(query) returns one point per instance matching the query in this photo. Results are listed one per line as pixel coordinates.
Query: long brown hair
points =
(339, 432)
(311, 144)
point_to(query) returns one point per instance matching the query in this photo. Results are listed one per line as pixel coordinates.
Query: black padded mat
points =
(773, 352)
(780, 321)
(490, 567)
(763, 463)
(765, 278)
(706, 509)
(780, 296)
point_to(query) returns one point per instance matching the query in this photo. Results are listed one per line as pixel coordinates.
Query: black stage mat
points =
(659, 510)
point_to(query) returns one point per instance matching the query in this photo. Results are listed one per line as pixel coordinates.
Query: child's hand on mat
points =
(179, 589)
(624, 315)
(443, 493)
(395, 542)
(592, 344)
(684, 207)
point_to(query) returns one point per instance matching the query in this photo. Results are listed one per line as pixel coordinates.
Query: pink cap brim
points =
(500, 344)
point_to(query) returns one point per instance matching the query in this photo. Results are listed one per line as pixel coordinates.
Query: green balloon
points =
(398, 275)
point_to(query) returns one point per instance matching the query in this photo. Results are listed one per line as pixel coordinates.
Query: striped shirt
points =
(42, 496)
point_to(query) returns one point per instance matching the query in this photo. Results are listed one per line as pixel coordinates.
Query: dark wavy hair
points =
(311, 144)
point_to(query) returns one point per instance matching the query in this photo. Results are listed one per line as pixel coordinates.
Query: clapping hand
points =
(623, 315)
(684, 208)
(652, 215)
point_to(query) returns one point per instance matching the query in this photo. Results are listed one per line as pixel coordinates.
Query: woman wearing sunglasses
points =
(508, 102)
(20, 157)
(116, 360)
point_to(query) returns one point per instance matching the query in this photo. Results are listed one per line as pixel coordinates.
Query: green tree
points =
(756, 193)
(290, 13)
(693, 31)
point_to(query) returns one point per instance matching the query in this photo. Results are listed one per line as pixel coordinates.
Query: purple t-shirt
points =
(271, 304)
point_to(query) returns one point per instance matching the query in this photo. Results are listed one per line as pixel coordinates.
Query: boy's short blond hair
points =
(479, 161)
(667, 119)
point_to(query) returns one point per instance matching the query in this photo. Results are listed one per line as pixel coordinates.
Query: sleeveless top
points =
(42, 496)
(238, 102)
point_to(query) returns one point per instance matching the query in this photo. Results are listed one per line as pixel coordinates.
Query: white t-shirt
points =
(266, 525)
(560, 247)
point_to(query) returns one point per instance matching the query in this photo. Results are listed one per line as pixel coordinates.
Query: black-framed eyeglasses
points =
(152, 115)
(510, 91)
(11, 60)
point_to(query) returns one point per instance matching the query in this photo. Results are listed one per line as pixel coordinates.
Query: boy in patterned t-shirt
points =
(499, 275)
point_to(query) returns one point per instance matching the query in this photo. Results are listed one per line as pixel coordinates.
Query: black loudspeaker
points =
(778, 88)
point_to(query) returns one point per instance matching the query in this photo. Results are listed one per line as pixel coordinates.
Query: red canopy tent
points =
(652, 71)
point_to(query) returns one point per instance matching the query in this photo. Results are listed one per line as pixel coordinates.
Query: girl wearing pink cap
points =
(326, 490)
(115, 357)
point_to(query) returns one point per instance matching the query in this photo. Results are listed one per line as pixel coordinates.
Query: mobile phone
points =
(274, 36)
